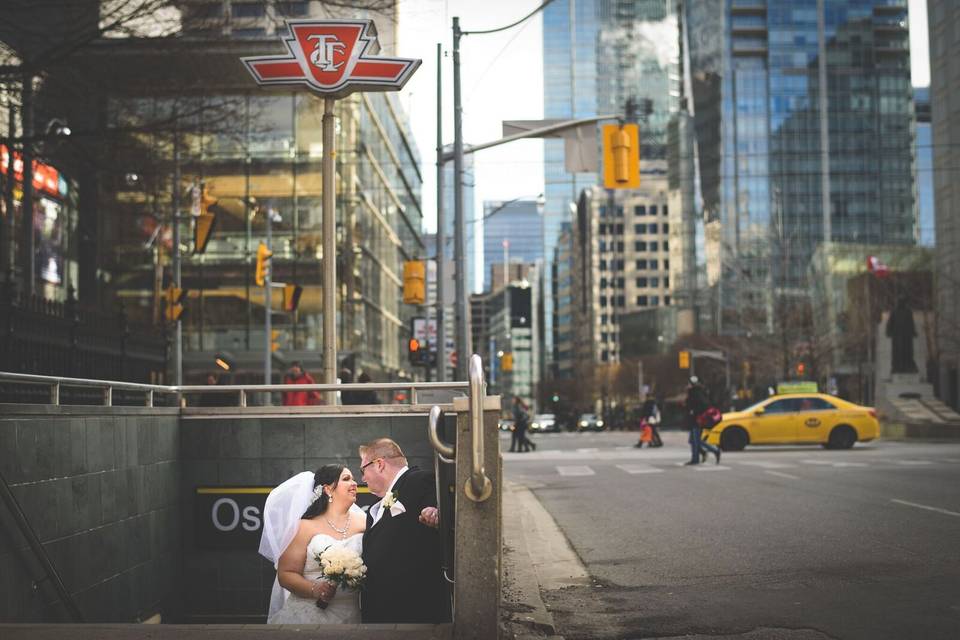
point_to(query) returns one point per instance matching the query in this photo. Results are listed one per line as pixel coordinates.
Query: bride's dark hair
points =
(328, 474)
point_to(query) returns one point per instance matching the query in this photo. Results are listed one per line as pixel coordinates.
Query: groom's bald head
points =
(380, 461)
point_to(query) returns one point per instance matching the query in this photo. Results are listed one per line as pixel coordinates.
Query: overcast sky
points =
(502, 79)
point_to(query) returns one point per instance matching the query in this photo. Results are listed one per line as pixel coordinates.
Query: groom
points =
(401, 546)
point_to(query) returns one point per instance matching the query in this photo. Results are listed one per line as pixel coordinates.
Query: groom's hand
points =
(430, 516)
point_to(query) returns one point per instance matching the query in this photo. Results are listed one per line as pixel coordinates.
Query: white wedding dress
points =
(343, 609)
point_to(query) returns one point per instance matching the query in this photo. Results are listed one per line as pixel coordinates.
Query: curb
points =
(919, 431)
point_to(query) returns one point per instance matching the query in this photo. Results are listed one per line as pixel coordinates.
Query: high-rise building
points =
(512, 233)
(924, 154)
(804, 124)
(944, 18)
(600, 56)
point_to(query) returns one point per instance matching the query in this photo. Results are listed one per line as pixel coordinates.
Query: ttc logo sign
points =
(332, 58)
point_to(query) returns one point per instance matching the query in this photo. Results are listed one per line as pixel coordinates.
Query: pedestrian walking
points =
(296, 375)
(699, 411)
(649, 420)
(521, 421)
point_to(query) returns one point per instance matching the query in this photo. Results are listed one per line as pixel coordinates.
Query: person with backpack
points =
(701, 414)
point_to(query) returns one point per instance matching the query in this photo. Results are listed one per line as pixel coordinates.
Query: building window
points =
(666, 300)
(666, 227)
(666, 245)
(653, 264)
(293, 9)
(621, 301)
(603, 245)
(640, 210)
(654, 282)
(666, 263)
(620, 283)
(249, 33)
(248, 10)
(641, 264)
(605, 355)
(641, 301)
(620, 229)
(620, 246)
(619, 210)
(664, 209)
(653, 209)
(639, 228)
(639, 245)
(603, 283)
(653, 246)
(666, 281)
(651, 228)
(603, 336)
(603, 319)
(603, 301)
(641, 282)
(654, 301)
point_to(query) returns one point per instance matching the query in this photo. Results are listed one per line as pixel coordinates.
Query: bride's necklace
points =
(346, 527)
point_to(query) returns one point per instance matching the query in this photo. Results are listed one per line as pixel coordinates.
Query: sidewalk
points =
(536, 556)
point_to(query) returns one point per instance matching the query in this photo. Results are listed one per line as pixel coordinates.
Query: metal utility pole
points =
(441, 232)
(268, 308)
(328, 228)
(178, 329)
(463, 325)
(28, 259)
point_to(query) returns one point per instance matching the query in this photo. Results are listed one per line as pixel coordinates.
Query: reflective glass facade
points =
(260, 157)
(517, 223)
(597, 55)
(768, 196)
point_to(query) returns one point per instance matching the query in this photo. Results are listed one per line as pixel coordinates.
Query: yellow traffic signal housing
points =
(173, 298)
(684, 360)
(274, 339)
(263, 256)
(414, 282)
(291, 297)
(621, 156)
(506, 362)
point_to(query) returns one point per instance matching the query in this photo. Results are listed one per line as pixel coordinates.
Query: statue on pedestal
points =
(901, 331)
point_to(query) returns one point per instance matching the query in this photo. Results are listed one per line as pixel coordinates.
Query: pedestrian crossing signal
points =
(621, 156)
(263, 264)
(414, 282)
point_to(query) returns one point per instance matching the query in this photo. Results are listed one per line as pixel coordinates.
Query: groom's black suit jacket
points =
(404, 580)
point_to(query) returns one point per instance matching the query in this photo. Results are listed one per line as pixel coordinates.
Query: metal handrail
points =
(56, 383)
(445, 451)
(479, 487)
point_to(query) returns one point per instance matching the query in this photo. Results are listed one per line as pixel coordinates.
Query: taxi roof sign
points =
(333, 58)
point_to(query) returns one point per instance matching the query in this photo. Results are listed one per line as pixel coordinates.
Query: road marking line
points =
(575, 471)
(914, 463)
(714, 467)
(767, 465)
(588, 450)
(826, 462)
(638, 468)
(840, 465)
(923, 506)
(782, 475)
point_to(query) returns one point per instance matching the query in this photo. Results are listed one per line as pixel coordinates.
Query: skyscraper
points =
(598, 55)
(804, 124)
(512, 232)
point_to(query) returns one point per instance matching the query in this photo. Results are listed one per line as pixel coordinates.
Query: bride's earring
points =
(330, 497)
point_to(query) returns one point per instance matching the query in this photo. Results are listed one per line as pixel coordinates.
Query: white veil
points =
(281, 519)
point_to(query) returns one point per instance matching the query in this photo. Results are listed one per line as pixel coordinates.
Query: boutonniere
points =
(391, 502)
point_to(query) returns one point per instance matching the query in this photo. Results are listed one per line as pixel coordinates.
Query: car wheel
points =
(734, 439)
(842, 437)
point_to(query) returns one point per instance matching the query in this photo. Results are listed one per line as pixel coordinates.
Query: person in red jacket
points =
(296, 375)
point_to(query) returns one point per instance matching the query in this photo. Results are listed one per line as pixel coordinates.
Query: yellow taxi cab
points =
(797, 419)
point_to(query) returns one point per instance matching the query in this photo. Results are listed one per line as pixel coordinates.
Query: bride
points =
(311, 506)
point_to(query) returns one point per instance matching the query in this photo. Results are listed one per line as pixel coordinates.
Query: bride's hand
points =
(430, 516)
(323, 591)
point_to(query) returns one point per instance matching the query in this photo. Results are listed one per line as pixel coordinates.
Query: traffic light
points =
(263, 256)
(173, 298)
(414, 351)
(291, 297)
(684, 360)
(621, 156)
(414, 282)
(506, 362)
(801, 368)
(204, 223)
(274, 339)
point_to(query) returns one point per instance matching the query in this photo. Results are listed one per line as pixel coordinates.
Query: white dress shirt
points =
(377, 509)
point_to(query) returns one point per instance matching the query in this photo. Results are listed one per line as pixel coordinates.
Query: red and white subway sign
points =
(332, 58)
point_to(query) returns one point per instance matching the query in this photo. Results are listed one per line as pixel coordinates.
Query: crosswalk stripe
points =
(575, 471)
(913, 463)
(638, 468)
(711, 467)
(781, 475)
(767, 465)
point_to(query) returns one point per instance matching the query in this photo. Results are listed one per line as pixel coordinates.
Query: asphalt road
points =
(775, 542)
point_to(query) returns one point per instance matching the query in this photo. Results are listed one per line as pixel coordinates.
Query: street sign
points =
(333, 59)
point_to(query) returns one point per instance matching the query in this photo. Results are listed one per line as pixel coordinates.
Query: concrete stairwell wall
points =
(99, 487)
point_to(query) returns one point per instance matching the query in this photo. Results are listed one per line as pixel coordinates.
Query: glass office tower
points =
(805, 121)
(519, 224)
(597, 56)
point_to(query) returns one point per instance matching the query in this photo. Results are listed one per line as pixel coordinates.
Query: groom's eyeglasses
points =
(363, 467)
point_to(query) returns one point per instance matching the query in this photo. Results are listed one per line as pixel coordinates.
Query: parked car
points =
(544, 422)
(797, 419)
(589, 422)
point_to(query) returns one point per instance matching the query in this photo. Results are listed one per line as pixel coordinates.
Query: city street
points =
(776, 542)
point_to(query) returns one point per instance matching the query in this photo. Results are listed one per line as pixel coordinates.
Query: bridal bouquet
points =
(340, 565)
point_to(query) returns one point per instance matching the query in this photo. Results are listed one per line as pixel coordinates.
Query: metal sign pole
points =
(441, 249)
(463, 324)
(329, 254)
(268, 309)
